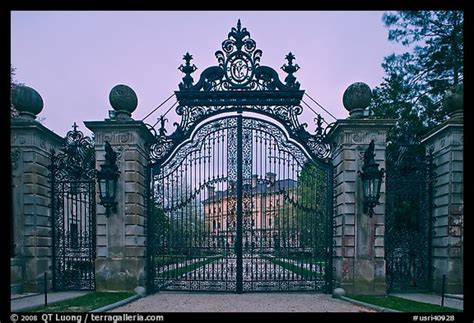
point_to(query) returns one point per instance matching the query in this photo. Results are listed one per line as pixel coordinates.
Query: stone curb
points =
(454, 296)
(24, 296)
(371, 306)
(116, 304)
(50, 302)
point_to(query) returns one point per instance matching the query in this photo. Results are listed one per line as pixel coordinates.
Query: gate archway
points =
(240, 193)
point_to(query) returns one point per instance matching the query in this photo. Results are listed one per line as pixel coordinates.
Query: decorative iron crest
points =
(239, 68)
(239, 83)
(76, 161)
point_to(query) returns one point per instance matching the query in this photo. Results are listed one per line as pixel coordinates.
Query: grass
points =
(175, 273)
(84, 303)
(308, 260)
(164, 260)
(401, 304)
(305, 273)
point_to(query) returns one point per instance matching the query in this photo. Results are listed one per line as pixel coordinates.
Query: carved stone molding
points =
(117, 138)
(15, 158)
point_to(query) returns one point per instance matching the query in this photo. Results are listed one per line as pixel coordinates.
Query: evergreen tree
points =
(412, 93)
(416, 81)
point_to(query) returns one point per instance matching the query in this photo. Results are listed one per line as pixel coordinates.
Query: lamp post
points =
(107, 177)
(371, 180)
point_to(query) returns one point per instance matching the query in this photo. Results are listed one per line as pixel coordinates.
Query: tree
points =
(13, 83)
(303, 218)
(412, 93)
(417, 80)
(312, 214)
(177, 220)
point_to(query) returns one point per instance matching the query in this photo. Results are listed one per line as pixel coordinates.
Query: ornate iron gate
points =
(73, 206)
(408, 217)
(240, 203)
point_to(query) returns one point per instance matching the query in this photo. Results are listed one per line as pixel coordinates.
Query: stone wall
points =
(446, 144)
(121, 237)
(31, 143)
(358, 239)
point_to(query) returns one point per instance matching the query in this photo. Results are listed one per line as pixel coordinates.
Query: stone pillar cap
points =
(124, 101)
(356, 98)
(27, 101)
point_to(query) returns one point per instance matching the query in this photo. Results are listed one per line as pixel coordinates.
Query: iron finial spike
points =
(238, 24)
(188, 57)
(74, 126)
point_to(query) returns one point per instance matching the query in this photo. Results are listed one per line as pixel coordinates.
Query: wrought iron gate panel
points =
(408, 218)
(189, 214)
(285, 213)
(73, 210)
(239, 203)
(285, 207)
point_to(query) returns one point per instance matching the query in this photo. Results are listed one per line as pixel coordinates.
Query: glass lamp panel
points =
(379, 185)
(103, 188)
(365, 188)
(112, 188)
(108, 189)
(371, 190)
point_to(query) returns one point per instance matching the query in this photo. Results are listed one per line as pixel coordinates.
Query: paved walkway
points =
(433, 299)
(23, 303)
(249, 302)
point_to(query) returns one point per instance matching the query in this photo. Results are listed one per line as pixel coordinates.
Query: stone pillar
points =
(121, 237)
(359, 255)
(445, 142)
(31, 143)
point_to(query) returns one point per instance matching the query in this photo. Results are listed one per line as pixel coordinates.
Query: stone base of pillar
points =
(452, 268)
(368, 279)
(120, 274)
(16, 274)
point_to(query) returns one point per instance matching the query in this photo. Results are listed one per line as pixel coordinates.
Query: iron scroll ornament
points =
(237, 84)
(72, 180)
(76, 159)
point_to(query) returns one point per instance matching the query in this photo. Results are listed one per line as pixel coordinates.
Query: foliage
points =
(159, 225)
(304, 216)
(401, 304)
(312, 196)
(13, 83)
(412, 93)
(85, 303)
(416, 81)
(178, 231)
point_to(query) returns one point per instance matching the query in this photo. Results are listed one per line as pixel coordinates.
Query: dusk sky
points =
(73, 59)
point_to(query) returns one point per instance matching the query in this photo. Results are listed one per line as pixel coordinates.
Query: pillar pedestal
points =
(121, 237)
(358, 239)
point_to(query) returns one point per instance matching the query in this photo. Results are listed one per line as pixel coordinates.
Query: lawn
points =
(84, 303)
(177, 272)
(305, 273)
(164, 260)
(401, 304)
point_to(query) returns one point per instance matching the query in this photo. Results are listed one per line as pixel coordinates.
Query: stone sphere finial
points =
(356, 98)
(338, 292)
(453, 102)
(123, 99)
(27, 101)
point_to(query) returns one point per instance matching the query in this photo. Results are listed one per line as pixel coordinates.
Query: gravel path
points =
(257, 302)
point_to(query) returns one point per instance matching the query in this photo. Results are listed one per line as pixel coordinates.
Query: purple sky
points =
(73, 59)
